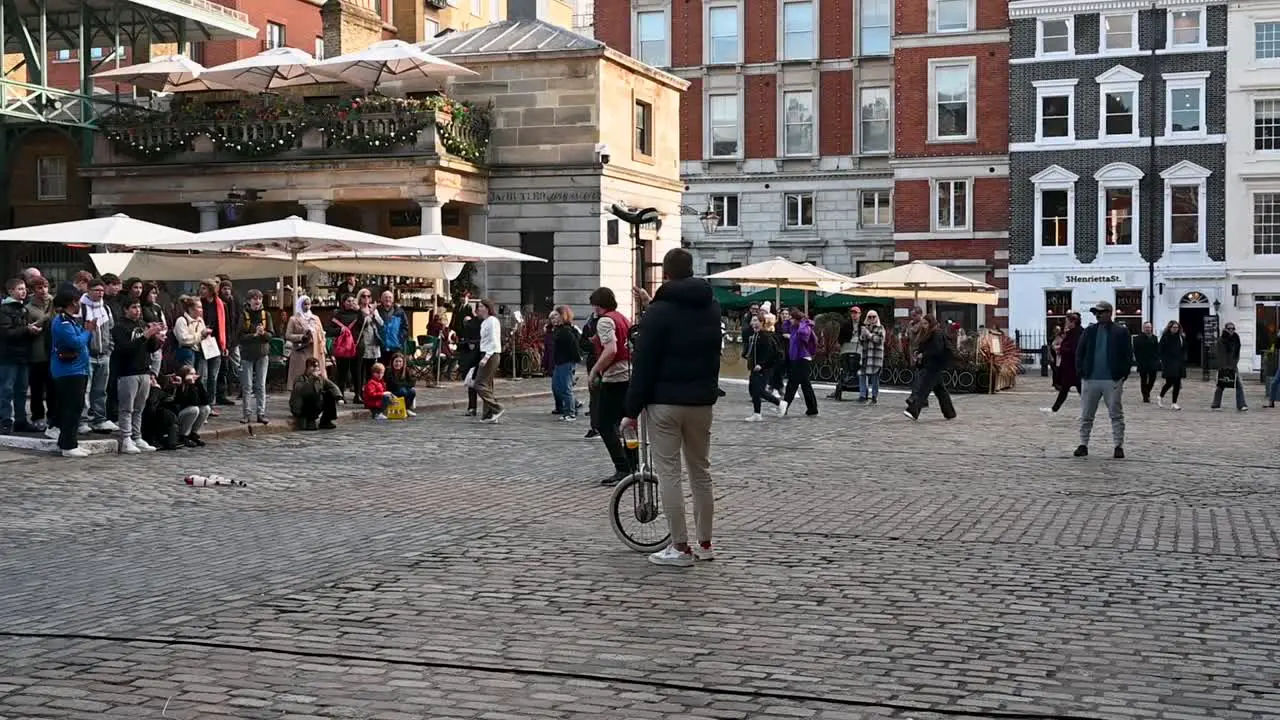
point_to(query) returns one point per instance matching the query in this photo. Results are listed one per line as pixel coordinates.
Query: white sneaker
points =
(492, 419)
(84, 429)
(754, 417)
(1176, 406)
(53, 433)
(75, 453)
(144, 446)
(1047, 410)
(379, 418)
(1159, 402)
(104, 426)
(701, 553)
(782, 408)
(671, 556)
(410, 413)
(128, 448)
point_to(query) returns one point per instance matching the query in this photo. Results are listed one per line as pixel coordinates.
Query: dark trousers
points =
(112, 411)
(798, 377)
(593, 406)
(324, 407)
(613, 396)
(160, 428)
(70, 391)
(1063, 392)
(931, 381)
(1147, 380)
(347, 371)
(758, 385)
(849, 365)
(1172, 383)
(43, 398)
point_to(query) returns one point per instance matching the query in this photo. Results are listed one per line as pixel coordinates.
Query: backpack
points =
(344, 346)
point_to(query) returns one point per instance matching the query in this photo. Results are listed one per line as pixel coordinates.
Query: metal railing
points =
(214, 8)
(52, 105)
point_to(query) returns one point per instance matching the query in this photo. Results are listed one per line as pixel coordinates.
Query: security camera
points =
(602, 152)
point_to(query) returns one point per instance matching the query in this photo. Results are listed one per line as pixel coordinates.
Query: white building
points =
(1253, 176)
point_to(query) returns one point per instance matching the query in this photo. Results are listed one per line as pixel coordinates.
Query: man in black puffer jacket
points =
(675, 376)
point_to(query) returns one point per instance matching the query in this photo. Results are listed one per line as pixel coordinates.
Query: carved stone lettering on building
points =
(1092, 279)
(541, 196)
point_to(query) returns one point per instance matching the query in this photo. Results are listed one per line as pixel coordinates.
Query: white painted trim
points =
(783, 92)
(1070, 248)
(1117, 80)
(971, 62)
(1056, 88)
(813, 198)
(1071, 36)
(1118, 54)
(1102, 34)
(968, 202)
(1055, 175)
(1185, 81)
(979, 37)
(706, 33)
(814, 25)
(983, 235)
(708, 152)
(970, 5)
(1201, 43)
(860, 134)
(1182, 178)
(1120, 176)
(1037, 8)
(1111, 143)
(958, 167)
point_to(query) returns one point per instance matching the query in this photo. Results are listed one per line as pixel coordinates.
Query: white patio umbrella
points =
(180, 266)
(388, 61)
(117, 231)
(452, 249)
(276, 68)
(172, 73)
(780, 273)
(918, 280)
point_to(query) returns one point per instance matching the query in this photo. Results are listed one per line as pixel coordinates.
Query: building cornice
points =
(937, 40)
(774, 178)
(1041, 8)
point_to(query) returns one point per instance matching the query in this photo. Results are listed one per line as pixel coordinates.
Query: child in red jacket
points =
(376, 395)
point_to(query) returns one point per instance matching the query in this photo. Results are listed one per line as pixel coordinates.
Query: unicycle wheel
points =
(635, 513)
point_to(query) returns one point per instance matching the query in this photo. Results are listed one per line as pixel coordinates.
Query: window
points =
(1184, 214)
(1055, 103)
(799, 210)
(62, 56)
(195, 51)
(873, 112)
(651, 38)
(1055, 217)
(51, 178)
(797, 31)
(797, 108)
(1266, 124)
(1186, 28)
(951, 205)
(430, 29)
(319, 53)
(1184, 99)
(97, 53)
(726, 206)
(1266, 223)
(723, 110)
(951, 118)
(477, 8)
(275, 35)
(877, 208)
(875, 27)
(722, 34)
(1057, 303)
(1119, 32)
(1055, 37)
(1118, 205)
(1119, 111)
(1266, 41)
(951, 15)
(1118, 185)
(719, 267)
(644, 128)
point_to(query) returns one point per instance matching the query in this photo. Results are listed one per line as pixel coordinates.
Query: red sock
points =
(705, 545)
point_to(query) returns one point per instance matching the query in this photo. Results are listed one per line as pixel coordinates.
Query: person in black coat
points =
(1146, 355)
(763, 353)
(159, 421)
(1173, 361)
(565, 356)
(935, 355)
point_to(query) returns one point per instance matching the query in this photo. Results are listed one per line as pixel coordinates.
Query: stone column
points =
(432, 222)
(317, 210)
(208, 215)
(478, 232)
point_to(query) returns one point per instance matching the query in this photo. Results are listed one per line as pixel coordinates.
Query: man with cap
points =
(1104, 357)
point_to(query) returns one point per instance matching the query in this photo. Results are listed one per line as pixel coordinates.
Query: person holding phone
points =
(256, 331)
(69, 366)
(134, 340)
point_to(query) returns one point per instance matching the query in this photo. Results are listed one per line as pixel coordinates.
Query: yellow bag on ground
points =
(396, 409)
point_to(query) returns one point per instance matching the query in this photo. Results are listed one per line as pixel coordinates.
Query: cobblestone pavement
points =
(871, 568)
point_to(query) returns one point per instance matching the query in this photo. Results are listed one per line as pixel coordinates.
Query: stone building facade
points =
(1117, 162)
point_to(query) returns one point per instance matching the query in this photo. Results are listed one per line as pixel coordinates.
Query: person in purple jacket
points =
(800, 353)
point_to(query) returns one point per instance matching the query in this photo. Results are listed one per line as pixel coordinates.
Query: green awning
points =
(728, 299)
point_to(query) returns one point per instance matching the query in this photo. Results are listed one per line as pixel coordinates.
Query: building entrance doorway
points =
(1192, 312)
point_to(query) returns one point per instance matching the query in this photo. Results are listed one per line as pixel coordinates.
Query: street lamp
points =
(710, 219)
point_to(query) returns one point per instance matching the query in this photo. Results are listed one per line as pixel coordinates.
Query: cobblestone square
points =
(870, 568)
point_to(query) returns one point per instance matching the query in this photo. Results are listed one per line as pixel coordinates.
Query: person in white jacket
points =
(490, 357)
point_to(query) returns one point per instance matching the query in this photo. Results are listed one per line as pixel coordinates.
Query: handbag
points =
(1226, 378)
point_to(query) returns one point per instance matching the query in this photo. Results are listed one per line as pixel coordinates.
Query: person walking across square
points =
(1104, 358)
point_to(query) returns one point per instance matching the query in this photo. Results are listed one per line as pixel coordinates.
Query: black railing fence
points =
(1033, 344)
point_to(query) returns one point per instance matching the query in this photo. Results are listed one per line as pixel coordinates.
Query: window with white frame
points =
(726, 206)
(1266, 223)
(873, 118)
(875, 17)
(951, 83)
(798, 42)
(1118, 88)
(799, 208)
(319, 48)
(1266, 124)
(1184, 202)
(1055, 36)
(1184, 104)
(725, 129)
(430, 28)
(477, 8)
(1055, 121)
(722, 34)
(1266, 40)
(877, 208)
(1186, 28)
(651, 38)
(797, 115)
(51, 177)
(62, 56)
(1055, 201)
(951, 205)
(951, 15)
(1118, 185)
(1119, 33)
(275, 35)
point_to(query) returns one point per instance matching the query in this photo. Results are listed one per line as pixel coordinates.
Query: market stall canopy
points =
(728, 299)
(117, 231)
(388, 61)
(177, 267)
(172, 73)
(292, 236)
(269, 70)
(919, 280)
(780, 273)
(447, 247)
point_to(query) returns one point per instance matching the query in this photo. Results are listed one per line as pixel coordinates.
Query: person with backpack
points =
(935, 354)
(344, 327)
(395, 326)
(256, 331)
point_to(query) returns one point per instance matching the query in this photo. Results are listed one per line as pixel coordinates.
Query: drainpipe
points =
(1152, 173)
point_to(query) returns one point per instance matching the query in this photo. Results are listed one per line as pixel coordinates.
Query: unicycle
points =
(635, 509)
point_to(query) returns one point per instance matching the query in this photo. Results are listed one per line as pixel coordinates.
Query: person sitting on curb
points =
(191, 405)
(159, 421)
(377, 398)
(400, 383)
(313, 397)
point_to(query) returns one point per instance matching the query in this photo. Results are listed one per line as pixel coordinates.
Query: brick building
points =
(785, 128)
(951, 138)
(1117, 162)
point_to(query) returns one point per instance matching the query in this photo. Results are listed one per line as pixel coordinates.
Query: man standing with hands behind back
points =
(675, 377)
(1104, 358)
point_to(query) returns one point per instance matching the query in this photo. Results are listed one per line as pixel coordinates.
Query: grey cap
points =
(1101, 306)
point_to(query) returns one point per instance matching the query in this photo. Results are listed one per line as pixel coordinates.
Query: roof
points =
(510, 36)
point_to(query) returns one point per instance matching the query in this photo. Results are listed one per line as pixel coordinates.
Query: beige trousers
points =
(673, 430)
(484, 385)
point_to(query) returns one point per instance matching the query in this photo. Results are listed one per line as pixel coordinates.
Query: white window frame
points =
(1169, 30)
(1266, 98)
(284, 35)
(1120, 176)
(885, 207)
(477, 8)
(1056, 88)
(813, 211)
(864, 27)
(1253, 226)
(724, 216)
(782, 122)
(58, 176)
(888, 121)
(1133, 34)
(971, 6)
(430, 28)
(1055, 178)
(971, 102)
(1186, 174)
(710, 153)
(707, 43)
(1264, 60)
(968, 205)
(1119, 79)
(637, 43)
(812, 52)
(1185, 81)
(319, 48)
(1071, 36)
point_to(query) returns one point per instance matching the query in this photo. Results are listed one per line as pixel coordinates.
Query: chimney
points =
(349, 26)
(522, 9)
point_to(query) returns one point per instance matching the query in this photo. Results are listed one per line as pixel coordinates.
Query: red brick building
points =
(951, 143)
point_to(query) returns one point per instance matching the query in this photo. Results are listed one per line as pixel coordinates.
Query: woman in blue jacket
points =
(69, 365)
